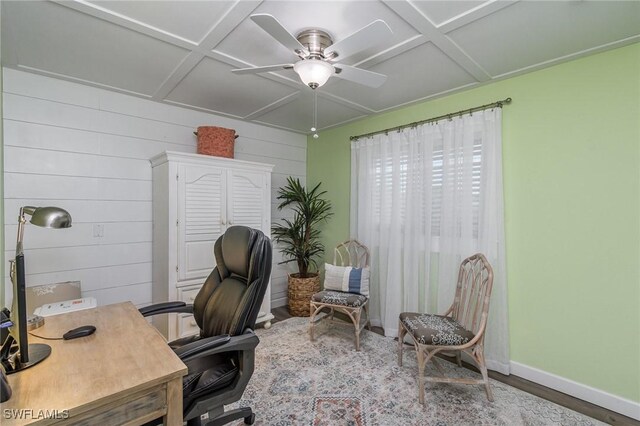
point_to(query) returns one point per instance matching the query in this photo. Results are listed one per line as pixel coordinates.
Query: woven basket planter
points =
(300, 292)
(216, 141)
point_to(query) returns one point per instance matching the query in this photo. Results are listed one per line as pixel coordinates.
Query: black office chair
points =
(221, 359)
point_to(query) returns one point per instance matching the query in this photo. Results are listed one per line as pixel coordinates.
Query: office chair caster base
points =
(249, 420)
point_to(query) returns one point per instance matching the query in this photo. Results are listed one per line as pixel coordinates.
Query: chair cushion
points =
(346, 279)
(342, 298)
(435, 330)
(219, 372)
(210, 372)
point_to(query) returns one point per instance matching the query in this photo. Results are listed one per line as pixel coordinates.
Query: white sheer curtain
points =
(422, 200)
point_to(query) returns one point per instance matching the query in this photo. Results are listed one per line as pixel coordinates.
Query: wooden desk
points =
(124, 373)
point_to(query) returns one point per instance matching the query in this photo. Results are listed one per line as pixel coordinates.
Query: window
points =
(401, 178)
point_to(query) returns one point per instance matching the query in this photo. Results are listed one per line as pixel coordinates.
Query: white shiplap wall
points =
(86, 150)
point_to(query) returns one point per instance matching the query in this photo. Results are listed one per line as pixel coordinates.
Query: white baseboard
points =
(276, 303)
(376, 323)
(595, 396)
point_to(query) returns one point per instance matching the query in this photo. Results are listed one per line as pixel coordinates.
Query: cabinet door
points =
(249, 205)
(248, 200)
(201, 218)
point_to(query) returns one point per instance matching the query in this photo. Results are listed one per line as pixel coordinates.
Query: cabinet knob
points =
(193, 323)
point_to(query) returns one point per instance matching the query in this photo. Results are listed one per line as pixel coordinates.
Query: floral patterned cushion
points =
(435, 329)
(352, 300)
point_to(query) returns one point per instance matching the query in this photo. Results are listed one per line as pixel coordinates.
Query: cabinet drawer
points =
(186, 323)
(187, 326)
(188, 294)
(124, 411)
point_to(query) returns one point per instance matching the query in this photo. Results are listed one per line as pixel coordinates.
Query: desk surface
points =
(125, 356)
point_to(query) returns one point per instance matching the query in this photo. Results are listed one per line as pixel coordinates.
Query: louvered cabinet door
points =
(201, 218)
(248, 199)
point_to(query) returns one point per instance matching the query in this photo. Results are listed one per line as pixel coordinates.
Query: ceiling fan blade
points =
(360, 76)
(275, 29)
(267, 68)
(371, 35)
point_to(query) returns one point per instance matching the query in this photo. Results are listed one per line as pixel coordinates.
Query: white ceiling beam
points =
(414, 17)
(197, 108)
(126, 22)
(345, 102)
(177, 75)
(278, 126)
(274, 105)
(485, 9)
(227, 23)
(393, 51)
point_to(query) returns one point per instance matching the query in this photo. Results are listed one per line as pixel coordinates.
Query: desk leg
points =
(174, 403)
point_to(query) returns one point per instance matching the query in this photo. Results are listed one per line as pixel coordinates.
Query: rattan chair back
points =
(351, 253)
(471, 304)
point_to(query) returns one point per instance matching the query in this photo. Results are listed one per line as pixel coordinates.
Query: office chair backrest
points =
(230, 299)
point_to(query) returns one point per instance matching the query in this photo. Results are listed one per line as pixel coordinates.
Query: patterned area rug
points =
(326, 382)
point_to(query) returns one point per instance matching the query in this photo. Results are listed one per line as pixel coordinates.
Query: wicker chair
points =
(349, 253)
(460, 329)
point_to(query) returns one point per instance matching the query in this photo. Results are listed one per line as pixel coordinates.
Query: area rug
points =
(326, 382)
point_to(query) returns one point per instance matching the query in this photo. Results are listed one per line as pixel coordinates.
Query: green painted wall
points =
(571, 147)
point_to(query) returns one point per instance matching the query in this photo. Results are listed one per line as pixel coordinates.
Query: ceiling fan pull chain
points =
(315, 115)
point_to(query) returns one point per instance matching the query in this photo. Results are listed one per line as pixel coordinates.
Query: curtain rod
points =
(429, 120)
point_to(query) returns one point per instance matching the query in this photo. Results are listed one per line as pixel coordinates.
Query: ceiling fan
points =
(317, 52)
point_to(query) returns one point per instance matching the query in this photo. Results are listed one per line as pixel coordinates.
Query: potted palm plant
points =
(299, 240)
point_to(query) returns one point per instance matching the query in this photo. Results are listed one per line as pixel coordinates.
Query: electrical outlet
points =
(98, 231)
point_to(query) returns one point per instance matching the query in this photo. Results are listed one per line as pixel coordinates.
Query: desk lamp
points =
(27, 355)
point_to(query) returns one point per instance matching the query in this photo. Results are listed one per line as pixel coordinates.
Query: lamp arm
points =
(21, 221)
(30, 210)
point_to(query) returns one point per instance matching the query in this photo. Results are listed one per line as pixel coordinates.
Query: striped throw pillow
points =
(346, 278)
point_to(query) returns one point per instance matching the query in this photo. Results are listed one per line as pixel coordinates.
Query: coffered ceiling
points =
(182, 52)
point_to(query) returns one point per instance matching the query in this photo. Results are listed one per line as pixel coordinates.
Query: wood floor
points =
(544, 392)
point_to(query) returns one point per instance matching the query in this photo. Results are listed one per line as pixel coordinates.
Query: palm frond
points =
(300, 237)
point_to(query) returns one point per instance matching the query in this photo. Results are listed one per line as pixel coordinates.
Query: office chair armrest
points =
(217, 344)
(195, 349)
(166, 308)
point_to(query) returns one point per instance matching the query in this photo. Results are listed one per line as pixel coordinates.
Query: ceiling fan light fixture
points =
(313, 72)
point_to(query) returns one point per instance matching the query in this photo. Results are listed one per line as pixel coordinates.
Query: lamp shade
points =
(50, 217)
(313, 72)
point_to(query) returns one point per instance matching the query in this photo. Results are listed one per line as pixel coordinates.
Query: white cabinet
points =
(195, 199)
